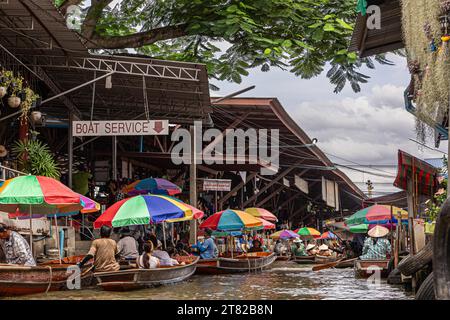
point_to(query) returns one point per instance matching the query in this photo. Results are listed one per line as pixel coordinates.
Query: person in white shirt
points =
(146, 260)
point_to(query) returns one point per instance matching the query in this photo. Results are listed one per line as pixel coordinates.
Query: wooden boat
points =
(283, 258)
(304, 260)
(18, 280)
(244, 263)
(323, 259)
(367, 268)
(132, 278)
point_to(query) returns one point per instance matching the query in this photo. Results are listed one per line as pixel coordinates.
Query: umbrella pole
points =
(164, 234)
(31, 230)
(57, 240)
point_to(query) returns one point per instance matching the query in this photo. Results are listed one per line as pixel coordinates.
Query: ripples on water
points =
(285, 280)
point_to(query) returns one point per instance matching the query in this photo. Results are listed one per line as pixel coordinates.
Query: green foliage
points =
(231, 37)
(35, 158)
(434, 205)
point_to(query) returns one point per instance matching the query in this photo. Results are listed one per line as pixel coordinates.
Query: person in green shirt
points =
(80, 180)
(298, 248)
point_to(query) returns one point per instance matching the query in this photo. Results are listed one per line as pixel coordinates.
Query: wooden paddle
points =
(331, 264)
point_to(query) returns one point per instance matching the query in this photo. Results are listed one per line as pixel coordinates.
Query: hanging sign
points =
(216, 185)
(120, 128)
(301, 184)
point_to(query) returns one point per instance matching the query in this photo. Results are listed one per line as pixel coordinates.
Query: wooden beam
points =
(273, 194)
(237, 188)
(267, 186)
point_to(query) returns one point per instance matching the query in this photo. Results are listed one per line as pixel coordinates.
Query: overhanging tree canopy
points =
(302, 36)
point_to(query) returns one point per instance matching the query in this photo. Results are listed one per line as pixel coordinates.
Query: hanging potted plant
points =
(29, 100)
(5, 80)
(16, 87)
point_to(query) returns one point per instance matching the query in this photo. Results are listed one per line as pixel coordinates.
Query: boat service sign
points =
(120, 128)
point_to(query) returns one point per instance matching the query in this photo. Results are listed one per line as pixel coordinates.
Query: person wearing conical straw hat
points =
(376, 246)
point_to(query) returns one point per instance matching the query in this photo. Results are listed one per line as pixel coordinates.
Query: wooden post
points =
(193, 184)
(114, 158)
(70, 151)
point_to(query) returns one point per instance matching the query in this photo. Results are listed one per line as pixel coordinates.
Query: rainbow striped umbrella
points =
(194, 214)
(328, 235)
(284, 234)
(306, 231)
(231, 220)
(89, 206)
(36, 194)
(379, 214)
(262, 213)
(143, 209)
(359, 228)
(152, 185)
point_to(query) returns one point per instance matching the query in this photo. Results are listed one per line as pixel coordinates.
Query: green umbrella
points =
(359, 228)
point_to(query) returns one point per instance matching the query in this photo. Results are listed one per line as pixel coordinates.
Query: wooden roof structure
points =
(371, 42)
(36, 33)
(298, 154)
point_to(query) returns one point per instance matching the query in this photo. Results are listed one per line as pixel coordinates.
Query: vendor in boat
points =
(311, 249)
(280, 249)
(127, 245)
(104, 252)
(147, 260)
(298, 248)
(256, 247)
(325, 251)
(208, 249)
(376, 246)
(163, 256)
(15, 248)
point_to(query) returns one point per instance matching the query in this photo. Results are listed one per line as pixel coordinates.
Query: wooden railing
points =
(8, 173)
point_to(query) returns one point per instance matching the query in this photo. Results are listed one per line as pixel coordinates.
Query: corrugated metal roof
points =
(36, 33)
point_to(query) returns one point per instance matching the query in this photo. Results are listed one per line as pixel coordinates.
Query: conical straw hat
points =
(378, 232)
(310, 246)
(323, 247)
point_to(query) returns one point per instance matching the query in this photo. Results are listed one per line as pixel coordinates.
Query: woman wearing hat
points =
(311, 249)
(298, 248)
(376, 246)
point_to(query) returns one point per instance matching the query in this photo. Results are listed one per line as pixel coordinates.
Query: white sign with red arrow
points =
(120, 128)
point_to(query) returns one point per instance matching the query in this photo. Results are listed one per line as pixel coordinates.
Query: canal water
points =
(285, 280)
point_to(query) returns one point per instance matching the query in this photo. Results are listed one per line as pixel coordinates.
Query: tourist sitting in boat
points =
(207, 249)
(15, 248)
(163, 256)
(104, 252)
(256, 247)
(127, 245)
(280, 249)
(376, 246)
(298, 248)
(147, 260)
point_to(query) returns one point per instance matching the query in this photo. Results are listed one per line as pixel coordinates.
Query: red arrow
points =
(158, 126)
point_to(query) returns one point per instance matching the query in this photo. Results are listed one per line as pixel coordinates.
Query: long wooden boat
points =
(244, 263)
(283, 258)
(16, 280)
(323, 259)
(133, 278)
(367, 268)
(304, 260)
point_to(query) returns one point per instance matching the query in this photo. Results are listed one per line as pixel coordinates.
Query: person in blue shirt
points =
(207, 249)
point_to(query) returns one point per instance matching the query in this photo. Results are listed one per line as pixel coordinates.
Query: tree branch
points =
(93, 15)
(137, 40)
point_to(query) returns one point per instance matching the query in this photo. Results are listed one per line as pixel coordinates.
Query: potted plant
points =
(28, 101)
(5, 80)
(16, 87)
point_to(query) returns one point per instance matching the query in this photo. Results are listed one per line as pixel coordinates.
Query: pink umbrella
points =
(266, 224)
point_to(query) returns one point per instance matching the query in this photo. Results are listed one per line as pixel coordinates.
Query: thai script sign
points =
(216, 185)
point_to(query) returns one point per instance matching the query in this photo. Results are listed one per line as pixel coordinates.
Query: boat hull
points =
(324, 260)
(283, 258)
(304, 260)
(18, 280)
(367, 268)
(245, 263)
(345, 265)
(133, 279)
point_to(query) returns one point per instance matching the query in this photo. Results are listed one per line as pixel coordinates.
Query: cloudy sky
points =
(367, 128)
